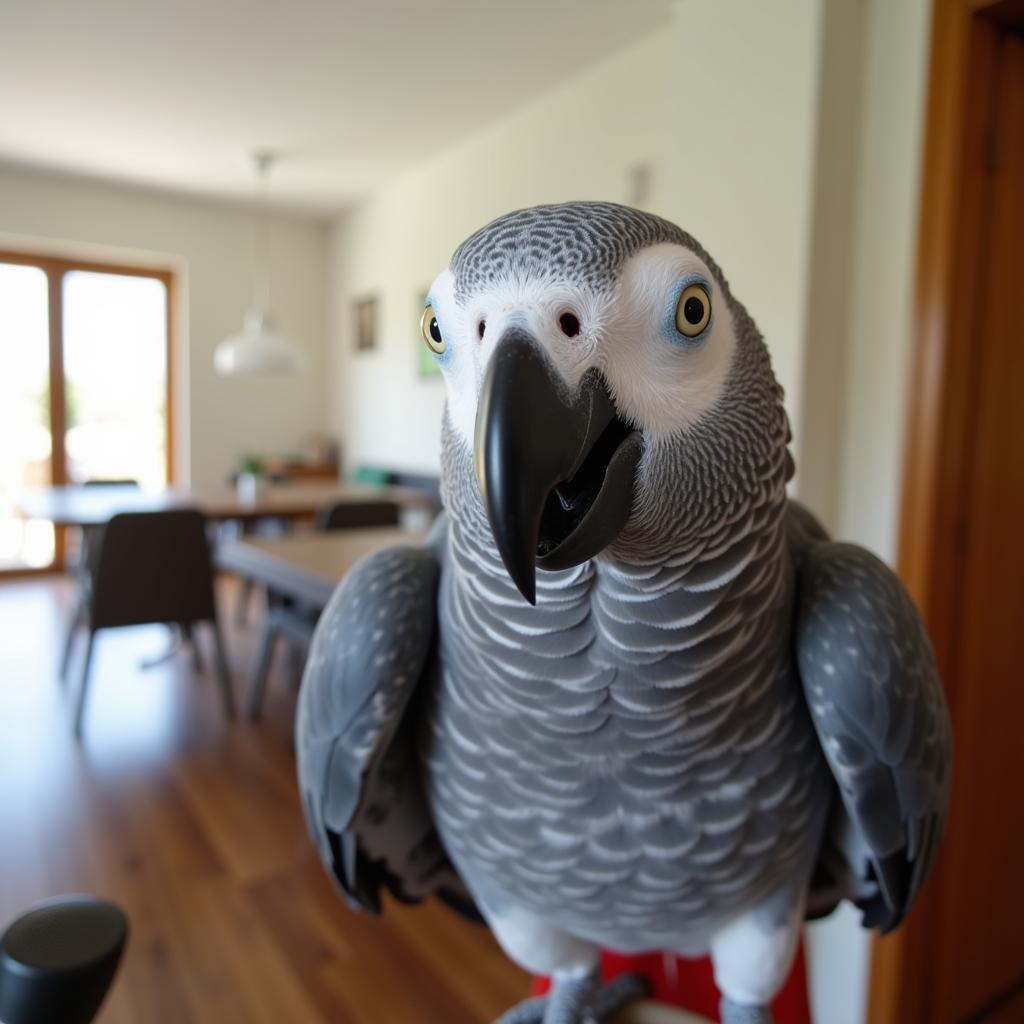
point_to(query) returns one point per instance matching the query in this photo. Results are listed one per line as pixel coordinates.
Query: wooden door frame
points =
(950, 266)
(55, 267)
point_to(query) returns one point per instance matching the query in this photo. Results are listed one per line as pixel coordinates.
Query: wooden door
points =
(959, 959)
(979, 959)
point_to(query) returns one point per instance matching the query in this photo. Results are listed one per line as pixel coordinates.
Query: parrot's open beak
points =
(556, 467)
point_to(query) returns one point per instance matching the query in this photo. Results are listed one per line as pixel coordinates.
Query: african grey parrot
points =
(628, 695)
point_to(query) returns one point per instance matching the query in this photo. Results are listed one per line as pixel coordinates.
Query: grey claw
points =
(529, 1011)
(735, 1013)
(623, 989)
(579, 1002)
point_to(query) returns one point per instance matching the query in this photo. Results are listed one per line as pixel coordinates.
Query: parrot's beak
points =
(556, 467)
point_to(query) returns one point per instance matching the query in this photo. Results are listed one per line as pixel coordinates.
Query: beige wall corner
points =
(830, 270)
(876, 359)
(209, 245)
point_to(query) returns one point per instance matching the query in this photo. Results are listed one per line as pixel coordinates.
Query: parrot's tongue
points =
(568, 504)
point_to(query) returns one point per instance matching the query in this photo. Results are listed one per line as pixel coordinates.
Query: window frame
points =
(55, 268)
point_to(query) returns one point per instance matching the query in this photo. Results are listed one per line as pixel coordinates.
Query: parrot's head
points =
(611, 396)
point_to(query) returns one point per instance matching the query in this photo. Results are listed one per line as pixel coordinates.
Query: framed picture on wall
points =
(427, 365)
(366, 323)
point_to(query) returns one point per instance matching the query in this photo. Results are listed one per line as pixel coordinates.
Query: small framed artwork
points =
(366, 323)
(427, 365)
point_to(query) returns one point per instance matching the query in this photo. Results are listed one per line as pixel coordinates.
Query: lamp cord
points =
(264, 160)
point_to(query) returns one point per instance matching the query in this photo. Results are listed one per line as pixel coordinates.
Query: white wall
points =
(577, 143)
(871, 122)
(874, 70)
(723, 116)
(209, 245)
(875, 369)
(830, 274)
(743, 84)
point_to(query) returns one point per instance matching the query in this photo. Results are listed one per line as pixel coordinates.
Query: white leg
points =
(540, 949)
(537, 947)
(573, 965)
(753, 954)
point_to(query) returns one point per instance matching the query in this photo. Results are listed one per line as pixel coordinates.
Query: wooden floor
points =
(194, 827)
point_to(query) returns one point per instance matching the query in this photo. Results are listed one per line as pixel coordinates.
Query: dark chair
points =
(267, 526)
(355, 516)
(81, 568)
(153, 567)
(297, 624)
(429, 485)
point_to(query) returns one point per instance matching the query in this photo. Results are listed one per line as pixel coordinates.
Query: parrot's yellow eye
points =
(431, 332)
(693, 311)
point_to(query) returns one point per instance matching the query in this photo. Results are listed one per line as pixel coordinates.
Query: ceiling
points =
(176, 95)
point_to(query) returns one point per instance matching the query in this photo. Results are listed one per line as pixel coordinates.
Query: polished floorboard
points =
(193, 826)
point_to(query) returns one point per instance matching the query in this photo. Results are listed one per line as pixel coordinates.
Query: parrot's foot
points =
(735, 1013)
(578, 1001)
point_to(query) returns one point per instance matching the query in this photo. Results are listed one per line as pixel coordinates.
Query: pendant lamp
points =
(259, 348)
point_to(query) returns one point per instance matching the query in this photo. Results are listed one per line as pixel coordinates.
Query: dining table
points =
(84, 506)
(301, 571)
(307, 567)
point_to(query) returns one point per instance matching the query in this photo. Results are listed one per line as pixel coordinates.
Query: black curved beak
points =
(556, 467)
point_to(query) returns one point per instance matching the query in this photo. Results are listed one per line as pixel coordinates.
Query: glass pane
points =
(24, 412)
(115, 370)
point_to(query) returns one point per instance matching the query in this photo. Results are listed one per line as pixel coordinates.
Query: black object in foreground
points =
(58, 959)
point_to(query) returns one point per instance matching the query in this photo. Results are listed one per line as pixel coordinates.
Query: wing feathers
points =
(355, 743)
(877, 705)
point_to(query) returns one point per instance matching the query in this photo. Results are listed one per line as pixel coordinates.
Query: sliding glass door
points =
(85, 387)
(26, 436)
(115, 377)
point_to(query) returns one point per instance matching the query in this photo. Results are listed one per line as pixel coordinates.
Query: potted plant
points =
(250, 477)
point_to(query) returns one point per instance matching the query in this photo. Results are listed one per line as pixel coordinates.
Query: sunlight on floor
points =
(134, 710)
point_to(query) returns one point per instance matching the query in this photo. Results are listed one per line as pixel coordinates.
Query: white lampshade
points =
(257, 348)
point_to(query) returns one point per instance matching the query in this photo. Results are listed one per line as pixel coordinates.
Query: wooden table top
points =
(92, 506)
(308, 566)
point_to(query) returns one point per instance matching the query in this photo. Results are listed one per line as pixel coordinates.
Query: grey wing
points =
(870, 683)
(374, 648)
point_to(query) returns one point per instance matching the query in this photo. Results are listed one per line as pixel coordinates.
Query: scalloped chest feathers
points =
(631, 758)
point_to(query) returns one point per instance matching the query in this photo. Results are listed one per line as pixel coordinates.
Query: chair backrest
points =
(354, 515)
(91, 536)
(153, 567)
(429, 485)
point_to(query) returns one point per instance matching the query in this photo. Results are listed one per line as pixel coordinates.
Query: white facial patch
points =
(661, 381)
(536, 305)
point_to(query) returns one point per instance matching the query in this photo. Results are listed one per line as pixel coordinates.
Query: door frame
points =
(940, 403)
(55, 267)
